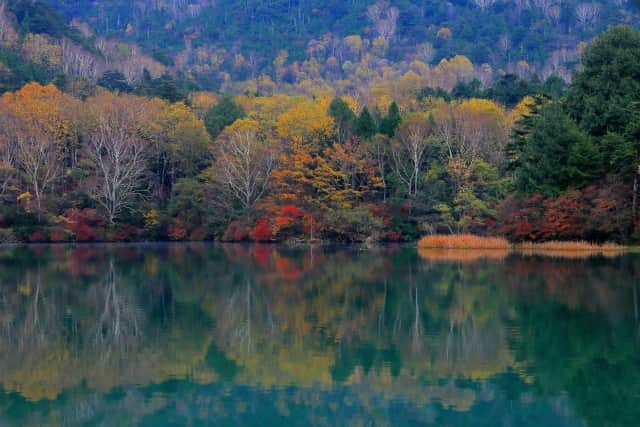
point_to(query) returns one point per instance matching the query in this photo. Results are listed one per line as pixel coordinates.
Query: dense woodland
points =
(134, 150)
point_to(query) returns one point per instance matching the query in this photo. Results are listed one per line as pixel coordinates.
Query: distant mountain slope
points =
(492, 31)
(37, 43)
(263, 45)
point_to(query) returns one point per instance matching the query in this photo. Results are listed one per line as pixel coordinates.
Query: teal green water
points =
(204, 334)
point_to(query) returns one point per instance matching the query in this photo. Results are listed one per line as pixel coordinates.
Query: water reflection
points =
(248, 335)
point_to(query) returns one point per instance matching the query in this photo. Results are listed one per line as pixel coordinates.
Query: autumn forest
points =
(130, 150)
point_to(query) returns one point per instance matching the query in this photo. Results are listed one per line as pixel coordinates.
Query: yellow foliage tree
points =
(306, 124)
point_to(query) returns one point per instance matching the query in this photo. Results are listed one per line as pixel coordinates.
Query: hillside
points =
(38, 44)
(498, 33)
(261, 45)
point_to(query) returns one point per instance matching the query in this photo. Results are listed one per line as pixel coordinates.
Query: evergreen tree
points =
(222, 115)
(521, 132)
(555, 154)
(392, 121)
(509, 90)
(464, 90)
(554, 87)
(114, 81)
(601, 95)
(365, 126)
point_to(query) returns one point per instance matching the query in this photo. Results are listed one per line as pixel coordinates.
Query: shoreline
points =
(513, 247)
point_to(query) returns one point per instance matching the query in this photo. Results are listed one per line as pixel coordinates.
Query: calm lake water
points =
(204, 334)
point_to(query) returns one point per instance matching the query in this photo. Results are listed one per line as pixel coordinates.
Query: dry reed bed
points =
(467, 247)
(463, 241)
(569, 246)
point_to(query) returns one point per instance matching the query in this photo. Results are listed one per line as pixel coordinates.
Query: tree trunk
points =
(634, 206)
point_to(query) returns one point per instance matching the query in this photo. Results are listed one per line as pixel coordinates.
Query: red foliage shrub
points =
(387, 233)
(598, 212)
(177, 232)
(563, 218)
(241, 234)
(262, 230)
(84, 224)
(288, 215)
(59, 234)
(125, 233)
(291, 211)
(37, 236)
(289, 220)
(524, 230)
(609, 213)
(198, 234)
(391, 236)
(237, 231)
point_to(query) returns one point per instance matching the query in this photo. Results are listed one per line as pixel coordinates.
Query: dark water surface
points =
(203, 334)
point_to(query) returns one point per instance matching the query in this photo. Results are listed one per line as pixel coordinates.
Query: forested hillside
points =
(258, 45)
(499, 33)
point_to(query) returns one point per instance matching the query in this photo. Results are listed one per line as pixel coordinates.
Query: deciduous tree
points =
(245, 158)
(118, 150)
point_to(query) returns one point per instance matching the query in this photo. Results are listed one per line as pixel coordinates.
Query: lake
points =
(232, 335)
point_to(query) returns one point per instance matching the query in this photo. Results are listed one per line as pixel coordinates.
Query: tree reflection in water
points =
(153, 333)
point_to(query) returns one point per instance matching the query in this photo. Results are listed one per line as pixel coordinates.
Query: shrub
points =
(237, 231)
(84, 224)
(37, 236)
(198, 234)
(262, 231)
(124, 233)
(59, 234)
(177, 232)
(7, 236)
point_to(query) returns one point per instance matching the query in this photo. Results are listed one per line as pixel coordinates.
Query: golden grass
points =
(567, 254)
(572, 246)
(467, 247)
(463, 241)
(571, 250)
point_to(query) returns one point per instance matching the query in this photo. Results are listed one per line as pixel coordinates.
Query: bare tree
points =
(408, 151)
(425, 52)
(484, 4)
(38, 160)
(549, 8)
(76, 61)
(471, 130)
(380, 152)
(8, 34)
(245, 159)
(7, 158)
(587, 14)
(384, 18)
(30, 152)
(118, 151)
